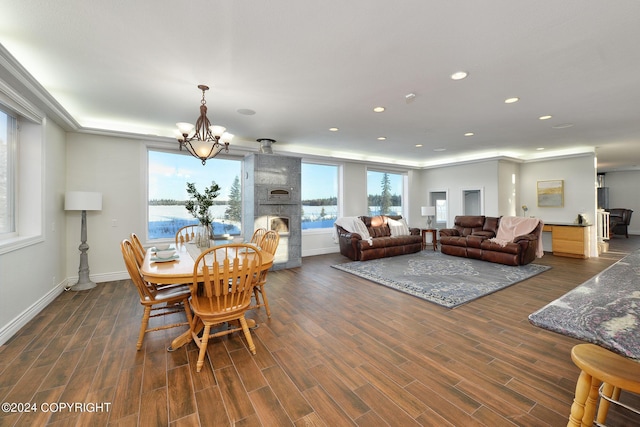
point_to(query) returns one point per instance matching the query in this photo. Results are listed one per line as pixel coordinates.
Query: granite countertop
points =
(604, 310)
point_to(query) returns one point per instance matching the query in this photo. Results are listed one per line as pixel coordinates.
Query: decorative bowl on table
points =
(166, 254)
(163, 246)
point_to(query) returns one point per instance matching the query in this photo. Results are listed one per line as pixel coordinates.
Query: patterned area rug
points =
(445, 280)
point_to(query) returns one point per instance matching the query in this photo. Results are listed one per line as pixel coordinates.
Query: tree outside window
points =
(385, 191)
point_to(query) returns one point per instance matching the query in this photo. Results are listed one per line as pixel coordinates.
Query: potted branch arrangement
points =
(198, 205)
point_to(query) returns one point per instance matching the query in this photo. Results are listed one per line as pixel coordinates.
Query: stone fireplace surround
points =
(272, 200)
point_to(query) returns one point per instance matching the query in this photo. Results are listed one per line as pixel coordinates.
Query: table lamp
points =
(429, 212)
(83, 201)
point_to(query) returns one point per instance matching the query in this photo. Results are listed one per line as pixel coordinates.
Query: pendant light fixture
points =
(203, 140)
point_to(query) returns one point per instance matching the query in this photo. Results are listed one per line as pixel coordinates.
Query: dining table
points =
(604, 310)
(179, 270)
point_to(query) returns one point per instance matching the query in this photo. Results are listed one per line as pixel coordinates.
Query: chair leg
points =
(265, 301)
(592, 402)
(603, 408)
(203, 347)
(187, 310)
(143, 326)
(247, 335)
(583, 387)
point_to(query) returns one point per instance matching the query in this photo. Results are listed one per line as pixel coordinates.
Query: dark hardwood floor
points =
(338, 350)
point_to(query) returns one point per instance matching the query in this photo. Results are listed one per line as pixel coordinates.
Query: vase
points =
(203, 236)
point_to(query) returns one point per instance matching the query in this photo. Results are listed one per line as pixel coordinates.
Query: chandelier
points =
(204, 140)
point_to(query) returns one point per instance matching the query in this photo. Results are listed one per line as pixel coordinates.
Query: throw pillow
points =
(398, 227)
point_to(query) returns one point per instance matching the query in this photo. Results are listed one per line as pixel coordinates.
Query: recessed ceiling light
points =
(439, 149)
(246, 112)
(410, 97)
(459, 75)
(511, 100)
(545, 117)
(563, 126)
(334, 129)
(469, 134)
(540, 148)
(378, 109)
(382, 138)
(418, 145)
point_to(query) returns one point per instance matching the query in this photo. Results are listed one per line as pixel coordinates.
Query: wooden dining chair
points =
(140, 251)
(156, 302)
(269, 244)
(257, 236)
(186, 234)
(221, 293)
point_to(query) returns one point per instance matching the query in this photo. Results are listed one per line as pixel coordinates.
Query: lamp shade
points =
(428, 210)
(82, 201)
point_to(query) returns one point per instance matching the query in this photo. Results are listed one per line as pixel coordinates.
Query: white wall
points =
(455, 179)
(623, 193)
(508, 190)
(579, 175)
(116, 168)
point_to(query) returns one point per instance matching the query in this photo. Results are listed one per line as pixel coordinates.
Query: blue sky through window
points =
(169, 173)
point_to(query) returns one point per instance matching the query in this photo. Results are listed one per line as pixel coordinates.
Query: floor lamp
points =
(83, 201)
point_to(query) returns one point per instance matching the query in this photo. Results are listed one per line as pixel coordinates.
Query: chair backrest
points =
(223, 279)
(269, 242)
(140, 251)
(186, 234)
(258, 235)
(128, 253)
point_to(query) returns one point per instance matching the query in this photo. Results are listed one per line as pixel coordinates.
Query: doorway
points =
(472, 201)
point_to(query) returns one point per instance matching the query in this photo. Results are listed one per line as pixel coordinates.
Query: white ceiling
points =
(307, 66)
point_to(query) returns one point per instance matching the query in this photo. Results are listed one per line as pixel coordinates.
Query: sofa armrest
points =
(414, 231)
(525, 238)
(449, 232)
(344, 234)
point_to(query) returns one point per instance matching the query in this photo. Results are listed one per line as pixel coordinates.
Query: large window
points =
(385, 193)
(319, 195)
(168, 177)
(7, 174)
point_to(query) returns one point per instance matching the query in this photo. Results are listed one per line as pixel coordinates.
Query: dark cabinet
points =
(603, 197)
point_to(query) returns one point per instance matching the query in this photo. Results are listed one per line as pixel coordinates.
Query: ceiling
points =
(307, 66)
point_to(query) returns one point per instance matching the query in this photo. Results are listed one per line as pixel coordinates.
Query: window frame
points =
(28, 171)
(11, 174)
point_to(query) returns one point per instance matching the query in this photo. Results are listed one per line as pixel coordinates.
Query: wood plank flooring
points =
(338, 351)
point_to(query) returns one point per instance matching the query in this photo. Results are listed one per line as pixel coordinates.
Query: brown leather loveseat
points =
(381, 243)
(470, 238)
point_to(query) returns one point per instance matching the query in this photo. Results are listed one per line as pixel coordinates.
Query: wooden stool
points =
(600, 366)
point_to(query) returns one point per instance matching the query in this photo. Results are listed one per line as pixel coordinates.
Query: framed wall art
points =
(551, 193)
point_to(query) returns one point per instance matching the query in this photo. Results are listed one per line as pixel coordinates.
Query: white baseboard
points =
(11, 328)
(321, 251)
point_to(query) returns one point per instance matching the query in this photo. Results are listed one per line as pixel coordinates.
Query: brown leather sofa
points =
(381, 245)
(470, 236)
(619, 220)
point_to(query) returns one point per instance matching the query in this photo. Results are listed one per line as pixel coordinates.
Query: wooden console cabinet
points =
(570, 240)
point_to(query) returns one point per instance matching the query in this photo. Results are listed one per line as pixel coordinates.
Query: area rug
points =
(445, 280)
